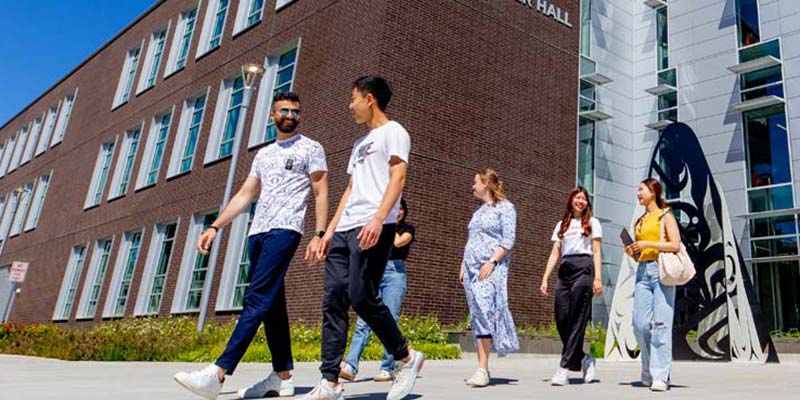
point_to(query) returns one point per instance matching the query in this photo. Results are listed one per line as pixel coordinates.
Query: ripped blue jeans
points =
(653, 312)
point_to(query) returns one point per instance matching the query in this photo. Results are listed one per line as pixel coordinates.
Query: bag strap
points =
(663, 236)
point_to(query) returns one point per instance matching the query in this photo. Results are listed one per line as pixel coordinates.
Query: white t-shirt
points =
(284, 168)
(369, 167)
(574, 243)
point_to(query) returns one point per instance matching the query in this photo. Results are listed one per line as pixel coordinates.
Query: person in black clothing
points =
(393, 289)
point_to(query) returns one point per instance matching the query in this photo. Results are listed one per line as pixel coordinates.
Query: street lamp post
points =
(250, 73)
(16, 193)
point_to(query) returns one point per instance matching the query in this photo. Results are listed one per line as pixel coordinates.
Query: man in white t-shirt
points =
(281, 177)
(359, 240)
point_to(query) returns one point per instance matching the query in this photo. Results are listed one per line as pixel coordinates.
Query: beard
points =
(286, 125)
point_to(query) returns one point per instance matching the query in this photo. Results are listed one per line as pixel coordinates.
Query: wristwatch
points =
(214, 228)
(493, 261)
(319, 234)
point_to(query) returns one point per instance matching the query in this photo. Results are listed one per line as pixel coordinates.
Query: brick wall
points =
(478, 83)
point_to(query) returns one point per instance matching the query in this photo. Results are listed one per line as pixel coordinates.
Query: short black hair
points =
(380, 88)
(288, 96)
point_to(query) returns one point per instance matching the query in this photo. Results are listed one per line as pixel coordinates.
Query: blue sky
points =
(43, 40)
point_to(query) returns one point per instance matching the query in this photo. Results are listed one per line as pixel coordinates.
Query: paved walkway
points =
(515, 377)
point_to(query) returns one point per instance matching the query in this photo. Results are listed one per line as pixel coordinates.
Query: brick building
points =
(121, 162)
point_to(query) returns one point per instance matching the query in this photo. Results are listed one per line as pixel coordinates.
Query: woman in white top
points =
(577, 243)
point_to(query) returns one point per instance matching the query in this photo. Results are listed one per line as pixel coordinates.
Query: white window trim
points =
(218, 123)
(281, 4)
(182, 134)
(3, 153)
(242, 15)
(39, 197)
(33, 137)
(94, 184)
(48, 128)
(124, 153)
(92, 275)
(177, 38)
(22, 209)
(146, 285)
(2, 207)
(5, 163)
(69, 275)
(63, 118)
(125, 73)
(265, 88)
(190, 254)
(119, 273)
(233, 254)
(149, 58)
(150, 148)
(12, 205)
(208, 26)
(16, 157)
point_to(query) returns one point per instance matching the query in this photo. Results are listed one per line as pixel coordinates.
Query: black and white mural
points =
(718, 307)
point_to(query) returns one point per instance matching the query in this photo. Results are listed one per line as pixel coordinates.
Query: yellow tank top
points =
(649, 230)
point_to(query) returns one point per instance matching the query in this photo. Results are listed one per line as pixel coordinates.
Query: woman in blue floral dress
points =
(484, 273)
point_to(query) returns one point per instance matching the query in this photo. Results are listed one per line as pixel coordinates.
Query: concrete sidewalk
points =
(515, 377)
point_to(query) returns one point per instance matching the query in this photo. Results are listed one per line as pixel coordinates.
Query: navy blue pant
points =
(353, 277)
(265, 300)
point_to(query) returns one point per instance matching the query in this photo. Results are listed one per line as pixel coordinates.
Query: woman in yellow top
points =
(653, 302)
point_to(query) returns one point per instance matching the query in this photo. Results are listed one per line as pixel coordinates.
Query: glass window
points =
(771, 48)
(135, 242)
(747, 22)
(72, 281)
(773, 226)
(767, 149)
(231, 119)
(160, 271)
(668, 77)
(158, 150)
(199, 270)
(774, 247)
(774, 198)
(662, 40)
(778, 287)
(219, 24)
(158, 41)
(586, 27)
(133, 145)
(254, 14)
(133, 62)
(104, 250)
(586, 154)
(243, 270)
(193, 134)
(186, 38)
(104, 164)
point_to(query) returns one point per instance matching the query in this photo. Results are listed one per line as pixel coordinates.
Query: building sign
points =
(548, 9)
(18, 271)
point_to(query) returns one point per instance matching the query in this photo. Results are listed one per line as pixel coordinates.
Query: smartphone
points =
(627, 240)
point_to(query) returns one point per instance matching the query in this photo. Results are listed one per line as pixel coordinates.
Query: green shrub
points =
(176, 339)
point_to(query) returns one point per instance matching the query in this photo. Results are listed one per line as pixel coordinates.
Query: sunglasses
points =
(285, 111)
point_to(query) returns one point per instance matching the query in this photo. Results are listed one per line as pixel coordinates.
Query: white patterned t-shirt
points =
(284, 169)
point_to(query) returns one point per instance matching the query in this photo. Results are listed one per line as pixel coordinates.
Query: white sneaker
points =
(647, 379)
(324, 392)
(479, 379)
(561, 378)
(659, 386)
(204, 382)
(384, 376)
(346, 371)
(587, 368)
(405, 376)
(271, 386)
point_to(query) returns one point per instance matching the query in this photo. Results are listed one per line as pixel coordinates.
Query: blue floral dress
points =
(491, 226)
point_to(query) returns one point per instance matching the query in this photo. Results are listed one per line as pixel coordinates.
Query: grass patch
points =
(175, 339)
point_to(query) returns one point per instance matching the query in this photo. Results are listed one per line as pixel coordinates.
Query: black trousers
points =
(353, 277)
(573, 307)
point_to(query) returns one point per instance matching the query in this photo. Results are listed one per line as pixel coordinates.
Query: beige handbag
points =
(674, 269)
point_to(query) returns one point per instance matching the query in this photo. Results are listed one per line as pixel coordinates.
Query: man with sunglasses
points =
(280, 178)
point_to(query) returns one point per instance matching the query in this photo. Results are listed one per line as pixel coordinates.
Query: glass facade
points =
(747, 22)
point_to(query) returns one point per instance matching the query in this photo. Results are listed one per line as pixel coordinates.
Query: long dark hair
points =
(586, 217)
(658, 192)
(404, 207)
